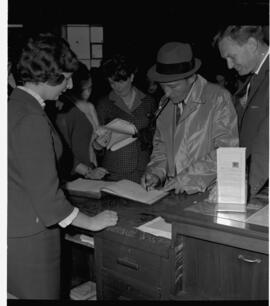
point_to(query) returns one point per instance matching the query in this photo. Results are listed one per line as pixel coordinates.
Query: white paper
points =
(231, 187)
(157, 227)
(120, 144)
(121, 126)
(261, 217)
(134, 191)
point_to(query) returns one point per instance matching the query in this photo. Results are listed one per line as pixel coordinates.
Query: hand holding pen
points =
(149, 181)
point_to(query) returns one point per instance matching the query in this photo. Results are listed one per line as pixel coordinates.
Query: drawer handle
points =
(125, 262)
(241, 257)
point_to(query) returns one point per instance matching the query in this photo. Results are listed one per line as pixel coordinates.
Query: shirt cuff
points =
(64, 223)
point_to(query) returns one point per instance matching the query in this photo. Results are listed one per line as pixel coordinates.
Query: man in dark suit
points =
(245, 50)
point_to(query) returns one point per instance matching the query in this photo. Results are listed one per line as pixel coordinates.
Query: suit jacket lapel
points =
(258, 80)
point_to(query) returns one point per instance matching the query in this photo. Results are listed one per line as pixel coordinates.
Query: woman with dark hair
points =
(126, 102)
(77, 123)
(37, 207)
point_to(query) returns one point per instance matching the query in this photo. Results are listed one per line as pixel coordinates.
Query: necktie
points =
(178, 111)
(242, 93)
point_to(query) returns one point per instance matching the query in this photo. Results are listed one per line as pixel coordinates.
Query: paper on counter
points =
(261, 217)
(157, 227)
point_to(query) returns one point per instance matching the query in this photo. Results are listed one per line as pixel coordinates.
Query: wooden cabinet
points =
(131, 269)
(206, 259)
(213, 267)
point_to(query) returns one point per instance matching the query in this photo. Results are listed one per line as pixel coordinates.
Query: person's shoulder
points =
(215, 86)
(217, 89)
(216, 95)
(21, 104)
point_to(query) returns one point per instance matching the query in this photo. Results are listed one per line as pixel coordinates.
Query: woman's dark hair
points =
(118, 67)
(44, 59)
(79, 78)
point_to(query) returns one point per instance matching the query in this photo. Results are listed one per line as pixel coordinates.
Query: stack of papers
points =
(231, 186)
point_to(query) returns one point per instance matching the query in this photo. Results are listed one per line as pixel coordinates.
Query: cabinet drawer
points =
(221, 271)
(115, 288)
(131, 263)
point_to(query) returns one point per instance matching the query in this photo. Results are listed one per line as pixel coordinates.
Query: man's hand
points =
(149, 181)
(212, 197)
(174, 184)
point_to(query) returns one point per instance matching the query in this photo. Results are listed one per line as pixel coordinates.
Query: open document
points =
(123, 188)
(133, 191)
(231, 185)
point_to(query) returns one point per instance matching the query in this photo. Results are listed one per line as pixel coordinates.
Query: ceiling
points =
(141, 26)
(135, 11)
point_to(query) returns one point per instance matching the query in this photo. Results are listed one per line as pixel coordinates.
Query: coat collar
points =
(33, 94)
(266, 56)
(26, 100)
(197, 89)
(121, 104)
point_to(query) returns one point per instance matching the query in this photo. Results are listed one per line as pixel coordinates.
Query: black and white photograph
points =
(136, 157)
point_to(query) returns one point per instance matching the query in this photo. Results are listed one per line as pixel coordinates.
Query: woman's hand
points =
(96, 174)
(103, 137)
(103, 220)
(96, 223)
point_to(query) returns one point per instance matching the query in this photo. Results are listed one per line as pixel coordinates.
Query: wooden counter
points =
(209, 256)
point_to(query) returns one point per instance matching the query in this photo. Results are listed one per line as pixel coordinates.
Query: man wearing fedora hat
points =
(197, 118)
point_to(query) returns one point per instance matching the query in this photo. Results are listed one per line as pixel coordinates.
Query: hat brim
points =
(164, 78)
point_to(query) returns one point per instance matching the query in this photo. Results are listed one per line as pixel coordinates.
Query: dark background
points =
(141, 27)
